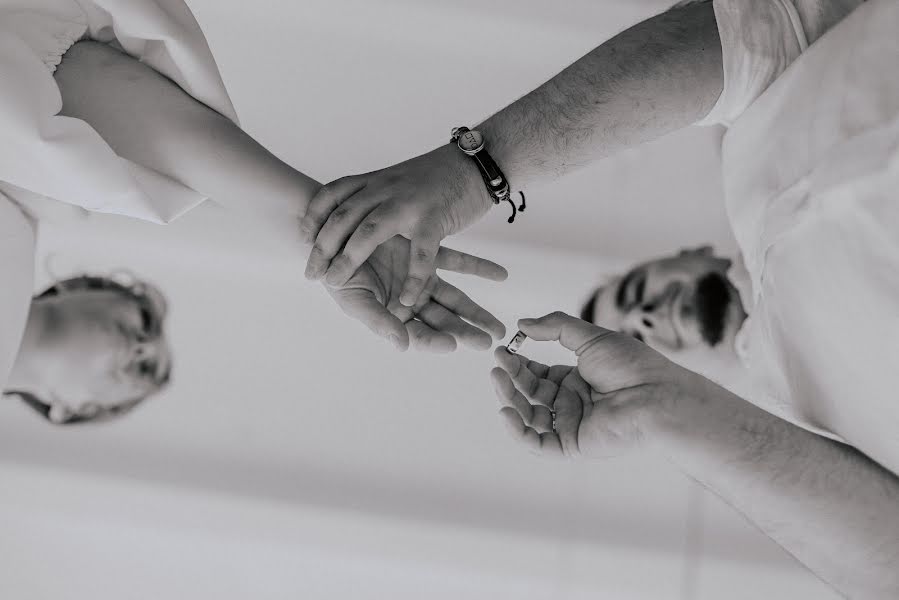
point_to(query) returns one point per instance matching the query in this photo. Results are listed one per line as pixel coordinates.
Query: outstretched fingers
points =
(535, 417)
(469, 264)
(459, 303)
(528, 377)
(362, 306)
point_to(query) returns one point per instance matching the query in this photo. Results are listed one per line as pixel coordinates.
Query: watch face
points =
(471, 141)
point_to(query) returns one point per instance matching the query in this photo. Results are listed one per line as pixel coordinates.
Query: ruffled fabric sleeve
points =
(65, 159)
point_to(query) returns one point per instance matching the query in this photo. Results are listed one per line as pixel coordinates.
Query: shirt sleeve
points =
(760, 39)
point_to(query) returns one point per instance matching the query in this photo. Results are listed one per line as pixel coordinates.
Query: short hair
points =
(135, 291)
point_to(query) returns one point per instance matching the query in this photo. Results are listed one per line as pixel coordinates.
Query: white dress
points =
(64, 158)
(811, 174)
(46, 159)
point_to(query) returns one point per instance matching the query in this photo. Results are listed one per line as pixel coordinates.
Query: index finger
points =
(328, 197)
(569, 331)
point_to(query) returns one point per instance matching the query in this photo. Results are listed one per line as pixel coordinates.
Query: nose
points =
(142, 359)
(647, 316)
(652, 319)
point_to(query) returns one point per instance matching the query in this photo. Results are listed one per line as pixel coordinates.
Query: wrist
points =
(704, 426)
(466, 174)
(684, 414)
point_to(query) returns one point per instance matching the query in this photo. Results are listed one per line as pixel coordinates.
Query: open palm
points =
(603, 406)
(442, 316)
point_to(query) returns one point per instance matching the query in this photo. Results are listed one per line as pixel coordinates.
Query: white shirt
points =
(49, 162)
(811, 174)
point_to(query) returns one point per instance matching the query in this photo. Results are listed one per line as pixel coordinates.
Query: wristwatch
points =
(472, 143)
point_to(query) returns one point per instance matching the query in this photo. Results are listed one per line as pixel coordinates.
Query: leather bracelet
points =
(473, 145)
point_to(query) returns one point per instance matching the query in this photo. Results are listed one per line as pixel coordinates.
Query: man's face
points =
(678, 305)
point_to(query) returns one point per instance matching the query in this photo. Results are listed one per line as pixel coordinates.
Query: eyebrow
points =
(626, 283)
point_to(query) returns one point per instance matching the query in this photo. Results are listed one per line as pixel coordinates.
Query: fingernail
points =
(312, 272)
(408, 298)
(395, 340)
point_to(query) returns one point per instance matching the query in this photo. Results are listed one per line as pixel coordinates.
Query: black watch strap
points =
(495, 180)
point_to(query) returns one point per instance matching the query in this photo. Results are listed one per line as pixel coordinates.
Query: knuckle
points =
(340, 214)
(332, 186)
(368, 228)
(328, 189)
(423, 254)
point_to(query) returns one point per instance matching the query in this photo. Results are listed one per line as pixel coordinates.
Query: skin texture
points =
(827, 504)
(656, 77)
(148, 119)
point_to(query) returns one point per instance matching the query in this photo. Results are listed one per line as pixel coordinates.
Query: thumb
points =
(569, 331)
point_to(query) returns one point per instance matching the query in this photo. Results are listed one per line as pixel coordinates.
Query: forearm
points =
(827, 504)
(148, 119)
(659, 76)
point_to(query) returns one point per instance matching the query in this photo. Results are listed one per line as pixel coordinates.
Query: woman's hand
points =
(614, 399)
(425, 199)
(442, 315)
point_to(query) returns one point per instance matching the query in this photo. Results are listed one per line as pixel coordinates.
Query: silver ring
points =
(553, 413)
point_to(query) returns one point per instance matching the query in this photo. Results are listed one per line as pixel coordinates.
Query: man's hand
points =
(425, 199)
(611, 401)
(442, 315)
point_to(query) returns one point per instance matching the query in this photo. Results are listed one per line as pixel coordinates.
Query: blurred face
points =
(100, 349)
(679, 305)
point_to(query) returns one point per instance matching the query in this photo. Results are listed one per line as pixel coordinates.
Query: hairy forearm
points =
(830, 506)
(656, 77)
(148, 119)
